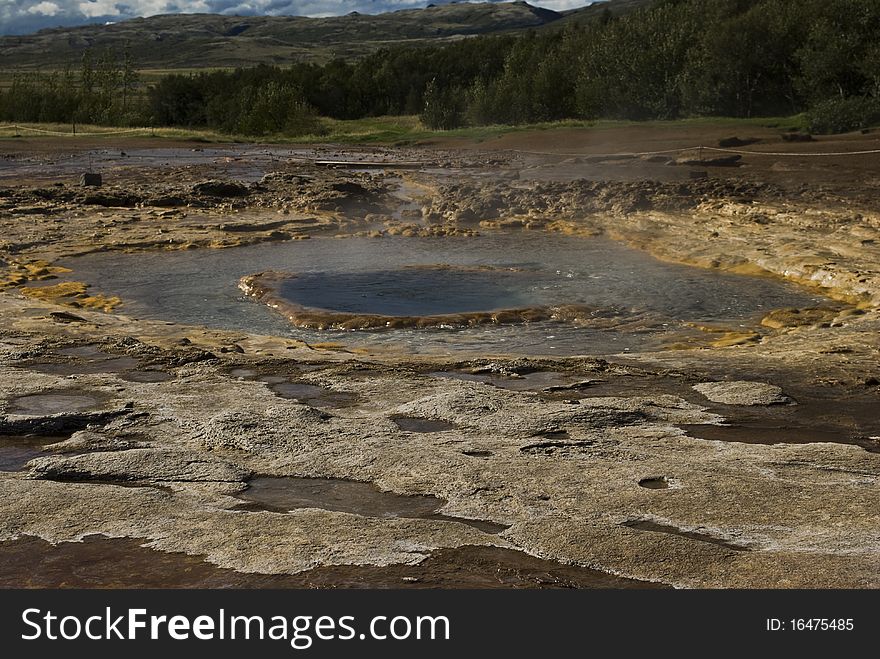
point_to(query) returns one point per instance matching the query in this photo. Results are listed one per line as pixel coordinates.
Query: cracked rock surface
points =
(606, 470)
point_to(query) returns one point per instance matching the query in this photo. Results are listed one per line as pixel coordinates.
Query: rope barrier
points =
(93, 134)
(819, 154)
(637, 154)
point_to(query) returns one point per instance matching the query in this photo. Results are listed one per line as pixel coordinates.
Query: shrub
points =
(841, 115)
(444, 108)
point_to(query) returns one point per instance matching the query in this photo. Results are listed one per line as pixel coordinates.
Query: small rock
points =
(743, 393)
(730, 142)
(221, 189)
(90, 179)
(797, 137)
(65, 317)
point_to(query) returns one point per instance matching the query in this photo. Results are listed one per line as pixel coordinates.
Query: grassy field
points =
(397, 131)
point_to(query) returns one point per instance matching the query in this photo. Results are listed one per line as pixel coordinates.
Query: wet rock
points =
(87, 440)
(783, 318)
(167, 201)
(138, 465)
(215, 188)
(351, 188)
(66, 317)
(581, 384)
(55, 424)
(743, 393)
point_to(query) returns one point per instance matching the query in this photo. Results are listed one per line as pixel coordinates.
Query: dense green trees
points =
(680, 58)
(675, 58)
(103, 91)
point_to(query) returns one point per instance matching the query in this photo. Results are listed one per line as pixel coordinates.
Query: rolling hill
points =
(188, 41)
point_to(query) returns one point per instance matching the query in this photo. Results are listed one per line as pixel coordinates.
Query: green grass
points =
(399, 131)
(409, 130)
(10, 131)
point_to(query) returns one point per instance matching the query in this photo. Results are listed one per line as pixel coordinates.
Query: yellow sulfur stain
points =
(72, 294)
(42, 270)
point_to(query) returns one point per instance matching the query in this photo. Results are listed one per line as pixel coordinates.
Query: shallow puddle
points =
(822, 414)
(758, 433)
(115, 365)
(283, 494)
(89, 351)
(313, 395)
(245, 373)
(54, 403)
(101, 562)
(656, 527)
(17, 450)
(146, 376)
(655, 483)
(551, 384)
(477, 454)
(632, 300)
(86, 359)
(417, 424)
(286, 386)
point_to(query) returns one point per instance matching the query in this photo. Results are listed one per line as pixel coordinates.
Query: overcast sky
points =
(25, 16)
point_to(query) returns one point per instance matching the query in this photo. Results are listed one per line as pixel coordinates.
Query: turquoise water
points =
(410, 291)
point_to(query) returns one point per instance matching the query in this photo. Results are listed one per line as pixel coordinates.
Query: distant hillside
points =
(183, 41)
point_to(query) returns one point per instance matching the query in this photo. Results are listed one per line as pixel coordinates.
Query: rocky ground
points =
(753, 463)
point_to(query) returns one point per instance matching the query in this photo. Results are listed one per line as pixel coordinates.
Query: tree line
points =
(103, 89)
(672, 59)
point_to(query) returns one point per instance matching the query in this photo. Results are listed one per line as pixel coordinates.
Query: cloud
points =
(94, 8)
(44, 9)
(26, 16)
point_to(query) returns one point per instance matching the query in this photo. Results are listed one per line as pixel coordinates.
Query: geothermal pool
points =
(629, 300)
